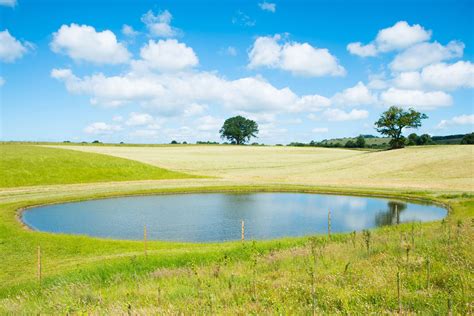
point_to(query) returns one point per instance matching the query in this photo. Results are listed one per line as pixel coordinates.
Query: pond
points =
(207, 217)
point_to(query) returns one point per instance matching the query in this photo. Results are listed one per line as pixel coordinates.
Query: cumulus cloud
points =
(8, 3)
(139, 119)
(416, 98)
(338, 115)
(438, 76)
(397, 37)
(354, 96)
(400, 36)
(457, 120)
(168, 55)
(298, 58)
(445, 76)
(127, 30)
(101, 128)
(159, 25)
(84, 43)
(357, 48)
(267, 6)
(185, 92)
(311, 103)
(11, 49)
(425, 54)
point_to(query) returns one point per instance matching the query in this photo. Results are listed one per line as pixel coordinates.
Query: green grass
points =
(22, 165)
(83, 275)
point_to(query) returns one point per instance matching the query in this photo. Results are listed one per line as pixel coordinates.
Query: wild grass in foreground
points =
(22, 165)
(349, 273)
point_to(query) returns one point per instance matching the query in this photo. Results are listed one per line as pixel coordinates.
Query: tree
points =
(468, 139)
(350, 144)
(360, 141)
(425, 139)
(238, 130)
(392, 122)
(413, 139)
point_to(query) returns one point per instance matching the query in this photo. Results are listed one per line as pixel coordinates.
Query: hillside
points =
(22, 165)
(426, 167)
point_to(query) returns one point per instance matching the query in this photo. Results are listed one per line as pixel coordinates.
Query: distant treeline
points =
(371, 141)
(362, 141)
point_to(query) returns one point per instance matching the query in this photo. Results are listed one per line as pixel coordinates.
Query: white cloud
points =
(354, 96)
(425, 54)
(127, 30)
(139, 119)
(320, 130)
(11, 49)
(444, 76)
(311, 103)
(194, 109)
(306, 60)
(397, 37)
(298, 58)
(110, 91)
(457, 120)
(183, 93)
(377, 81)
(160, 25)
(337, 115)
(358, 49)
(408, 80)
(101, 128)
(265, 52)
(84, 43)
(168, 55)
(2, 81)
(267, 6)
(416, 98)
(8, 3)
(438, 76)
(401, 36)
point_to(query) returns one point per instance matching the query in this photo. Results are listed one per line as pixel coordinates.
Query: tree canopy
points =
(238, 130)
(392, 122)
(468, 139)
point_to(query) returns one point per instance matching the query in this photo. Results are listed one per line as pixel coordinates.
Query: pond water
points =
(207, 217)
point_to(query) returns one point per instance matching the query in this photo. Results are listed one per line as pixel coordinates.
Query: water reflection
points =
(391, 215)
(217, 216)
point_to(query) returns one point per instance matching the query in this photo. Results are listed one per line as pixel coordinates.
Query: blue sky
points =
(153, 71)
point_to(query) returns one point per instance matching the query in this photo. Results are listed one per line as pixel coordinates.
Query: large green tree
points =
(239, 129)
(392, 122)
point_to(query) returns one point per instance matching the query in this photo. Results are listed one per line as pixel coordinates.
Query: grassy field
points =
(289, 275)
(32, 165)
(447, 168)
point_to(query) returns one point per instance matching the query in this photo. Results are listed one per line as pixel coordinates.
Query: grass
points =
(98, 276)
(22, 165)
(446, 168)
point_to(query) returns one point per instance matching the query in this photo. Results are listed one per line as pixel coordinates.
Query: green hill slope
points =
(22, 165)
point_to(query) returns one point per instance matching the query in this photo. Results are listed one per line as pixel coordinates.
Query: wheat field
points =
(447, 168)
